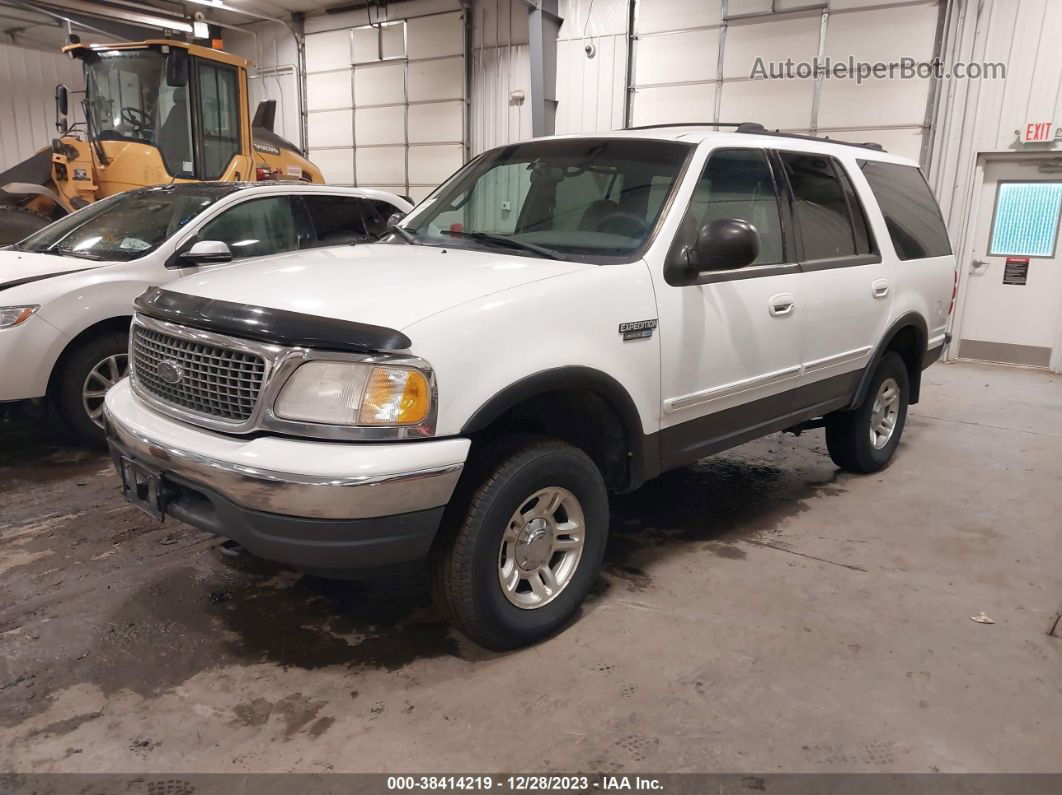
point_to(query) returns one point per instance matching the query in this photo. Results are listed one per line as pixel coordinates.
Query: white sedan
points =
(66, 292)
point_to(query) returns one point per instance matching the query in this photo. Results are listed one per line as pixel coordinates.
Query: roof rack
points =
(755, 128)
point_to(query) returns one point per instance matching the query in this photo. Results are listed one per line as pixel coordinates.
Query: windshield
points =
(594, 200)
(122, 227)
(129, 100)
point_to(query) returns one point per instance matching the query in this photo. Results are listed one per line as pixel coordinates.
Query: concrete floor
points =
(759, 612)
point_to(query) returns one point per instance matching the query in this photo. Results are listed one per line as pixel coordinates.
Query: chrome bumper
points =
(292, 494)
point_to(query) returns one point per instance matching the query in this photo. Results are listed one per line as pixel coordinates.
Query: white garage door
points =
(692, 61)
(386, 103)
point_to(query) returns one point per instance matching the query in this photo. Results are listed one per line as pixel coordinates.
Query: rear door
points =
(844, 284)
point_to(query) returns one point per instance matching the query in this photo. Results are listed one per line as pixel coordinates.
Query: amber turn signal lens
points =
(395, 396)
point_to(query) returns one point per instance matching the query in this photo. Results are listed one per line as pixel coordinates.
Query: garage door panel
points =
(845, 103)
(380, 85)
(438, 79)
(673, 103)
(688, 56)
(772, 40)
(374, 126)
(381, 165)
(330, 50)
(330, 128)
(738, 7)
(658, 15)
(436, 122)
(773, 103)
(337, 165)
(390, 38)
(906, 142)
(435, 36)
(328, 90)
(883, 35)
(430, 165)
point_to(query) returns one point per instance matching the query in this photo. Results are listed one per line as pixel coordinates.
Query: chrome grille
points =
(214, 381)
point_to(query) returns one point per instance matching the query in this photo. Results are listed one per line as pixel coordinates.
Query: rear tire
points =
(85, 375)
(864, 439)
(17, 223)
(525, 541)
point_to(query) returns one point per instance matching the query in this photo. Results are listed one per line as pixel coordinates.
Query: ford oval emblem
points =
(170, 371)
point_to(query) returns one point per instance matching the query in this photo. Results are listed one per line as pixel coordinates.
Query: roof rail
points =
(755, 128)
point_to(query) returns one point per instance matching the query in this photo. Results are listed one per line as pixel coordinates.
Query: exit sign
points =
(1037, 132)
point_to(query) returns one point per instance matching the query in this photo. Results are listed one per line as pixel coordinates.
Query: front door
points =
(730, 348)
(1012, 311)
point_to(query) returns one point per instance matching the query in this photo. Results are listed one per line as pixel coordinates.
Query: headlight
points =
(11, 316)
(350, 393)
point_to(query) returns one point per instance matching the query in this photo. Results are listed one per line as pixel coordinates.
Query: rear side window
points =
(821, 206)
(911, 213)
(342, 220)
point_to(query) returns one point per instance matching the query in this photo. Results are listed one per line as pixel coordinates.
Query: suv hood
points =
(391, 285)
(20, 267)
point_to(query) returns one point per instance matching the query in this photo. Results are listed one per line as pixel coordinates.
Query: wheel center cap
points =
(533, 545)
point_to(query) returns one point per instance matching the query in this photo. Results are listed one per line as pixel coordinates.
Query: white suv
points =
(562, 318)
(66, 292)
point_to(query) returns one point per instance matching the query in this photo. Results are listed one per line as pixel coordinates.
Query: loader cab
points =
(183, 101)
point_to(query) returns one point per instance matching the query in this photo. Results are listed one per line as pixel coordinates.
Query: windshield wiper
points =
(405, 234)
(64, 252)
(510, 242)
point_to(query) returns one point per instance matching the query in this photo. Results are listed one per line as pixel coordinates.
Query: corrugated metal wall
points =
(27, 99)
(500, 66)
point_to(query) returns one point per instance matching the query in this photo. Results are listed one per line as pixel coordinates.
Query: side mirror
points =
(395, 219)
(177, 68)
(62, 100)
(726, 244)
(205, 252)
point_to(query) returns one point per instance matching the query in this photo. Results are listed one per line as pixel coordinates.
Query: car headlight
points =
(352, 393)
(11, 316)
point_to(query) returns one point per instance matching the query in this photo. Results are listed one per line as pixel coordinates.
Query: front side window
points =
(219, 110)
(912, 216)
(125, 226)
(737, 184)
(820, 206)
(595, 200)
(129, 100)
(255, 228)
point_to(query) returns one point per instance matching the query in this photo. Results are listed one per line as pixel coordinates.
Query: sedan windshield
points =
(122, 227)
(593, 200)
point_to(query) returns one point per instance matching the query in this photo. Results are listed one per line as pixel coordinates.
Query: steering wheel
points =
(622, 223)
(135, 118)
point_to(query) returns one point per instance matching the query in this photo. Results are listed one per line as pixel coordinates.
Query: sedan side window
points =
(255, 228)
(343, 220)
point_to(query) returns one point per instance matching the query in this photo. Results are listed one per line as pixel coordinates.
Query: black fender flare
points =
(909, 319)
(573, 377)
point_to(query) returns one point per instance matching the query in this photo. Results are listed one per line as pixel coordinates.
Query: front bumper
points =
(27, 353)
(318, 505)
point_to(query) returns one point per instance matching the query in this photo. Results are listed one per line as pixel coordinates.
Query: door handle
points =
(977, 264)
(880, 288)
(781, 304)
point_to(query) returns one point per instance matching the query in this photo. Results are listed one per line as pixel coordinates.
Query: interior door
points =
(1012, 311)
(730, 347)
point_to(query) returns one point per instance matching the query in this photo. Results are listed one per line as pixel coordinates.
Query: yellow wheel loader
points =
(156, 112)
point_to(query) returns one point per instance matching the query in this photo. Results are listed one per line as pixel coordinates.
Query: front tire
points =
(521, 557)
(85, 376)
(864, 439)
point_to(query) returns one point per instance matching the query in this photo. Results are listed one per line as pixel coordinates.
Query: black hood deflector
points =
(276, 326)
